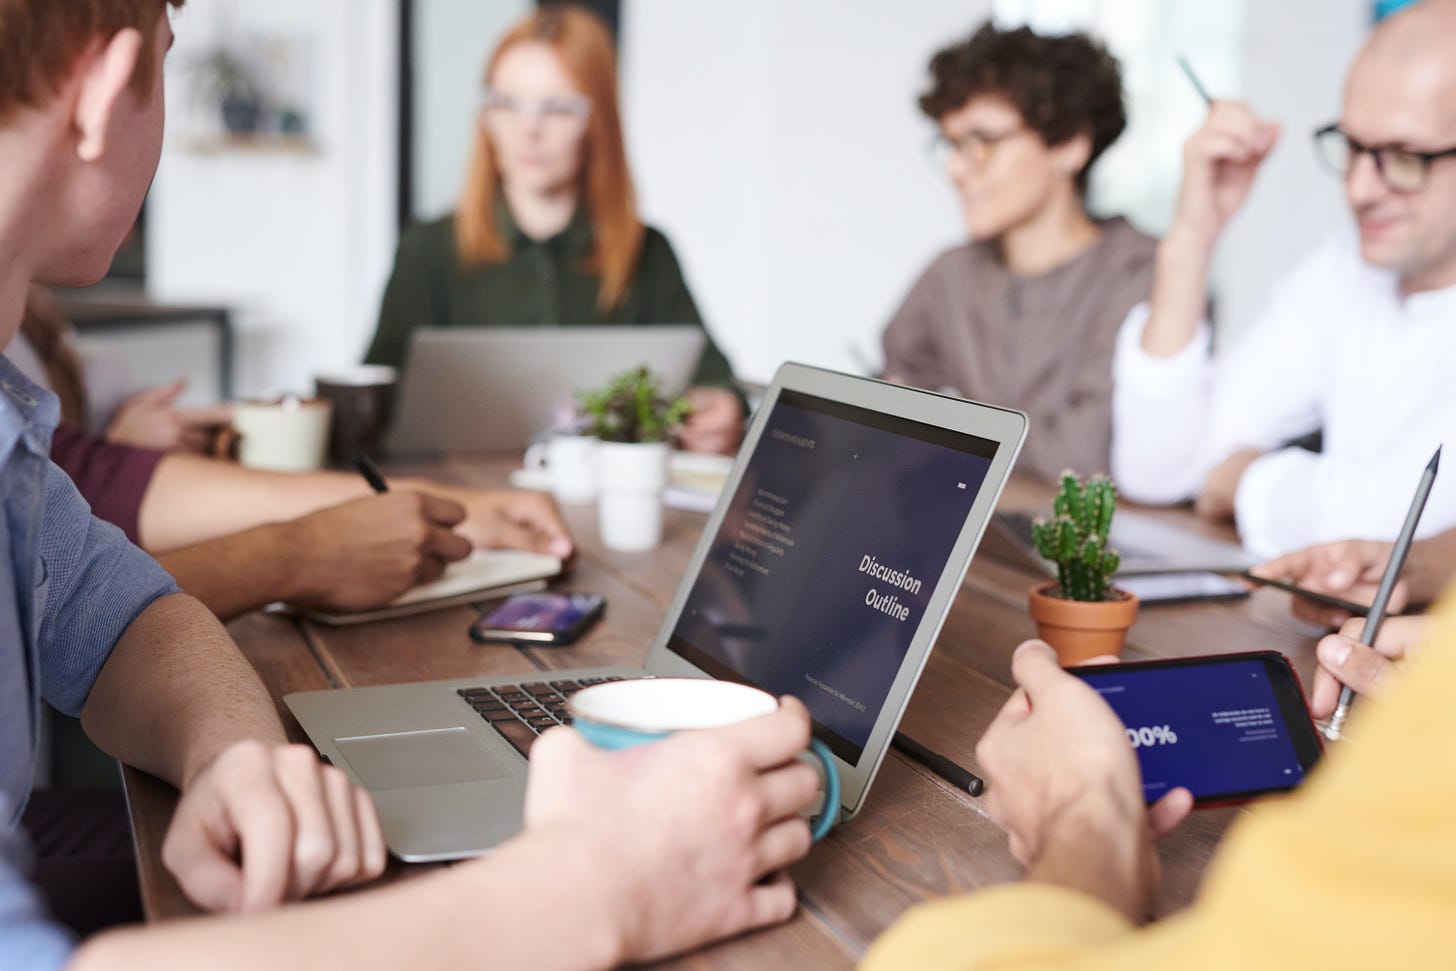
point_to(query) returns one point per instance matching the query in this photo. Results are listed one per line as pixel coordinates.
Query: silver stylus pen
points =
(1387, 584)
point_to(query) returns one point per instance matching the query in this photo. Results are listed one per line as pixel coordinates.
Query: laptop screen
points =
(827, 557)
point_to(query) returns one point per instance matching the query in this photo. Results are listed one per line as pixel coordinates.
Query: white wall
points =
(299, 243)
(452, 40)
(1296, 55)
(779, 147)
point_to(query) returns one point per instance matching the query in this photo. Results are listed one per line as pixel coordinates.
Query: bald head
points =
(1409, 58)
(1401, 94)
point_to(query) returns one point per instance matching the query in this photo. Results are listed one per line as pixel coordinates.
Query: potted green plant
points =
(635, 422)
(227, 82)
(1080, 613)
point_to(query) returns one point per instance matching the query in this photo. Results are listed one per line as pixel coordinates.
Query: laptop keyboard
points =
(521, 712)
(1020, 524)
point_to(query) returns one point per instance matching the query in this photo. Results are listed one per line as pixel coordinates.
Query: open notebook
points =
(481, 575)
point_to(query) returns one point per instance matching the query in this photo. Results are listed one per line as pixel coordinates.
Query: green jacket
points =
(542, 282)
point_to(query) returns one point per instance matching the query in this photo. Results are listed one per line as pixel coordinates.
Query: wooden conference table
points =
(916, 837)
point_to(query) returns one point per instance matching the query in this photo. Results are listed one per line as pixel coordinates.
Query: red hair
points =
(585, 48)
(41, 39)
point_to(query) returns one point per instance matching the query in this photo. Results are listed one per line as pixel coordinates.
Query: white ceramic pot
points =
(570, 464)
(631, 478)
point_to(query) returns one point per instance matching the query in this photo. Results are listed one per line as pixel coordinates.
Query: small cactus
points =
(1076, 538)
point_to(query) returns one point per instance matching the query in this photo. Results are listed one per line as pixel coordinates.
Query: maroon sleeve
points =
(112, 478)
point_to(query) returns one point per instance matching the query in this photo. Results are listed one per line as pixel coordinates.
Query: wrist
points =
(576, 873)
(1100, 845)
(288, 545)
(1186, 251)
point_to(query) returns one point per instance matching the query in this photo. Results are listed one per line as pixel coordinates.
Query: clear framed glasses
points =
(1401, 169)
(564, 113)
(973, 147)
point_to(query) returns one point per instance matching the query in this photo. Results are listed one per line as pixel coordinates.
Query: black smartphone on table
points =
(1328, 600)
(539, 618)
(1179, 588)
(1227, 727)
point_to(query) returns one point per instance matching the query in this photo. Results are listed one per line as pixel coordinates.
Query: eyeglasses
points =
(974, 147)
(565, 113)
(1401, 169)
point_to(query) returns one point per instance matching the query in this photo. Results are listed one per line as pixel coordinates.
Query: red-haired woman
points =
(547, 228)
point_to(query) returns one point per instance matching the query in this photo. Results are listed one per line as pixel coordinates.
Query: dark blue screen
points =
(827, 556)
(1213, 728)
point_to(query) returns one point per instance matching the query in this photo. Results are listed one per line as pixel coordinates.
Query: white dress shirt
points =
(1337, 348)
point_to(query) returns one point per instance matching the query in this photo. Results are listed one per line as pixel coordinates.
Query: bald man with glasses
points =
(1359, 339)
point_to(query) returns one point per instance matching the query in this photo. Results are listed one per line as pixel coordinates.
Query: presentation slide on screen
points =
(1214, 729)
(824, 564)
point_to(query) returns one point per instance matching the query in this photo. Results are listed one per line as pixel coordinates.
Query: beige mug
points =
(287, 434)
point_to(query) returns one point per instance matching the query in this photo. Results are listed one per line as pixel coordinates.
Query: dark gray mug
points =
(363, 398)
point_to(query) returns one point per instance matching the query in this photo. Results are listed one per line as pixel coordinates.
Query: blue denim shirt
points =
(70, 585)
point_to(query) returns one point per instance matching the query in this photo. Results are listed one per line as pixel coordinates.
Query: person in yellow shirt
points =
(1288, 888)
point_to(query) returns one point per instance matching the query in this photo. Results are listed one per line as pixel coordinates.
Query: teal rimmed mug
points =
(621, 714)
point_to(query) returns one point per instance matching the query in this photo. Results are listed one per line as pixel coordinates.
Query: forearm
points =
(175, 692)
(1291, 499)
(532, 903)
(1161, 448)
(192, 499)
(1180, 293)
(239, 572)
(1101, 854)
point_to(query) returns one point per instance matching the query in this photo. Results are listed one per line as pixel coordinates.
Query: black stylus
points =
(952, 772)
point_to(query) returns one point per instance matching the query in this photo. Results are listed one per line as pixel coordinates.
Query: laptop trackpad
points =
(410, 760)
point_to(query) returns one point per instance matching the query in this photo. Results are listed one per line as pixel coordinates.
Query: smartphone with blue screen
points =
(539, 618)
(1227, 727)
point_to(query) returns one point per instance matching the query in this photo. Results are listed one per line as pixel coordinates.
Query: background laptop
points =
(491, 389)
(825, 571)
(1147, 545)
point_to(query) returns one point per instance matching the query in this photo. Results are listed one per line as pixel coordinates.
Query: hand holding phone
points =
(539, 619)
(1228, 728)
(1314, 596)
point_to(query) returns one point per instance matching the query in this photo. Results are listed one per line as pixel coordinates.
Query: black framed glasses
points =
(1401, 169)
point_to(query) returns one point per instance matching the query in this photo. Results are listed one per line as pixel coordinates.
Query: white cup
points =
(288, 435)
(570, 463)
(632, 477)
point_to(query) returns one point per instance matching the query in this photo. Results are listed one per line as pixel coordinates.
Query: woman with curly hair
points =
(1026, 313)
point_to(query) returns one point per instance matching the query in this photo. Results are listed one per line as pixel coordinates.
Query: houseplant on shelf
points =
(634, 421)
(1080, 613)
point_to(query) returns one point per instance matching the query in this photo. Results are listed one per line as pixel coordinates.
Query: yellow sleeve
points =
(1024, 925)
(1357, 870)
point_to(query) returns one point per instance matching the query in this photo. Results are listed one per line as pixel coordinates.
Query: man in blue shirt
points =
(626, 856)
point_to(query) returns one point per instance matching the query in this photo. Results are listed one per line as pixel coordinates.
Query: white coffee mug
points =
(285, 435)
(570, 464)
(630, 508)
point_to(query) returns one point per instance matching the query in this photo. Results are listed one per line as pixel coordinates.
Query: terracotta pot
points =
(1079, 630)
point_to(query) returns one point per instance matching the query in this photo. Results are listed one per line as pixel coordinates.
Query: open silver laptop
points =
(1146, 544)
(491, 389)
(825, 572)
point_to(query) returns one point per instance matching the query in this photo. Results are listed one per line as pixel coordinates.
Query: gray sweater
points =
(1042, 344)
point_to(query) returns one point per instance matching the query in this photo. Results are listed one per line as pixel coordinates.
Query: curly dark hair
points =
(1061, 85)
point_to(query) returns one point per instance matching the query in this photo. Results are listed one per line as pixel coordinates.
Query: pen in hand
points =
(1398, 553)
(370, 472)
(1193, 80)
